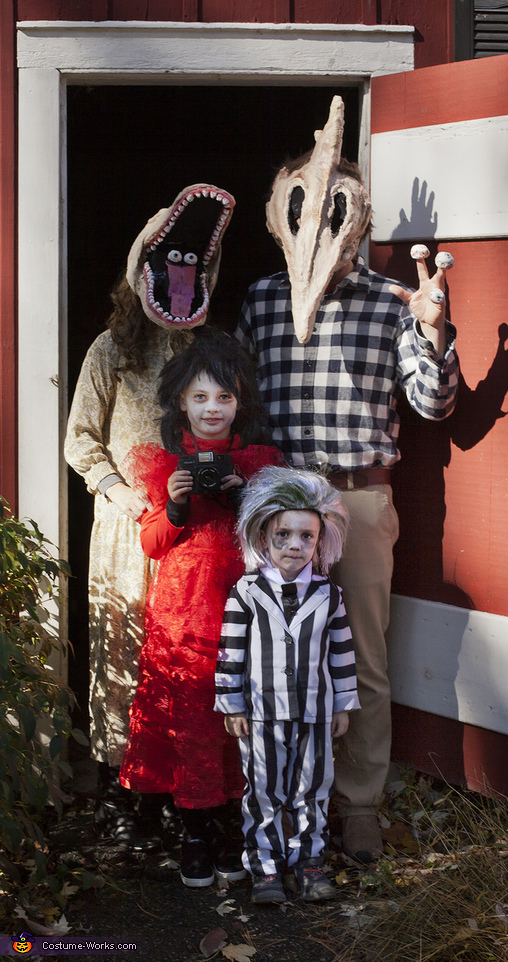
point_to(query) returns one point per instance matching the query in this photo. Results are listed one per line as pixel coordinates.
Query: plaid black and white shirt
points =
(333, 400)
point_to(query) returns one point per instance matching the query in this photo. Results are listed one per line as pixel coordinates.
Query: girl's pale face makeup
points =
(291, 539)
(210, 408)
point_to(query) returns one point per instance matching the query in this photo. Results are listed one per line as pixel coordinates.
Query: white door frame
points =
(54, 54)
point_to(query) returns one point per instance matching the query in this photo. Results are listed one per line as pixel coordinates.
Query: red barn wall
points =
(450, 485)
(433, 20)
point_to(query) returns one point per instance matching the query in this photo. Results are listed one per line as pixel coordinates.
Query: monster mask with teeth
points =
(174, 262)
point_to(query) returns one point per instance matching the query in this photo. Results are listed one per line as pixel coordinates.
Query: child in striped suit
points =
(285, 676)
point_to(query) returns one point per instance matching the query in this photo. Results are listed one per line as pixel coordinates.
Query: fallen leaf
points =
(62, 926)
(212, 942)
(169, 863)
(238, 953)
(395, 788)
(225, 907)
(342, 878)
(68, 889)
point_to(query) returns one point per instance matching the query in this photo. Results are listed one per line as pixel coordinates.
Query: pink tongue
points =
(181, 288)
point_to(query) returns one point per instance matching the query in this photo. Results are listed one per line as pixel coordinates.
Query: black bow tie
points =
(290, 602)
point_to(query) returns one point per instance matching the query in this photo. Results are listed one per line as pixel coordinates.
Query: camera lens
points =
(209, 478)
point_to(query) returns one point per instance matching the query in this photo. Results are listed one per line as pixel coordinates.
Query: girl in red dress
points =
(214, 434)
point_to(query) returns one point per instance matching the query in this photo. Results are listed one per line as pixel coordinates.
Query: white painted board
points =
(444, 181)
(449, 661)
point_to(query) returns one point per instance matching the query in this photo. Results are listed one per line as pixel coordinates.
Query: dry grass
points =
(441, 893)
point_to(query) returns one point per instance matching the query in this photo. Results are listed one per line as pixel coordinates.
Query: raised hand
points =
(427, 303)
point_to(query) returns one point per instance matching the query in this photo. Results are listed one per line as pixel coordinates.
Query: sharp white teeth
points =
(220, 197)
(165, 314)
(206, 193)
(198, 193)
(190, 197)
(157, 305)
(213, 194)
(185, 201)
(225, 201)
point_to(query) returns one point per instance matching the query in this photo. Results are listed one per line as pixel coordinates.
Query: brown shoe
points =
(361, 838)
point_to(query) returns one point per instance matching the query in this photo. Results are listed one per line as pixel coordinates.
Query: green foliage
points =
(31, 694)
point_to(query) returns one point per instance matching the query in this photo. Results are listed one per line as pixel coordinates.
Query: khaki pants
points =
(364, 574)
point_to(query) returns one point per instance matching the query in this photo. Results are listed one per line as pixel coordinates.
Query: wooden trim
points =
(156, 52)
(8, 260)
(463, 29)
(448, 660)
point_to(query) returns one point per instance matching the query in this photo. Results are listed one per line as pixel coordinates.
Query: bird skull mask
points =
(173, 264)
(318, 216)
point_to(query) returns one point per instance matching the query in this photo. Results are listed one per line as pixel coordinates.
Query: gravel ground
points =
(144, 902)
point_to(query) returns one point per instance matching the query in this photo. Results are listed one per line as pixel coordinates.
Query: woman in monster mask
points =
(171, 271)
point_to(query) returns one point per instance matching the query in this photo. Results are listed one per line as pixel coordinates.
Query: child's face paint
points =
(291, 539)
(211, 409)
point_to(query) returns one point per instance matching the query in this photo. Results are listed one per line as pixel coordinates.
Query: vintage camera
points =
(208, 470)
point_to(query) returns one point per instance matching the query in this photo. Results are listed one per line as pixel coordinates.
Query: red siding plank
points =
(433, 23)
(62, 10)
(328, 11)
(462, 755)
(461, 558)
(440, 95)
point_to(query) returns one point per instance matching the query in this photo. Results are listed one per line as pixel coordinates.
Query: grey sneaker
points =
(267, 888)
(315, 885)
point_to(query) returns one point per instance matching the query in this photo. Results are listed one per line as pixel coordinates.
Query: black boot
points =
(226, 842)
(115, 814)
(196, 868)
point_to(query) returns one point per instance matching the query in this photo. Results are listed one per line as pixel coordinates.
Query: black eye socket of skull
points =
(339, 212)
(295, 208)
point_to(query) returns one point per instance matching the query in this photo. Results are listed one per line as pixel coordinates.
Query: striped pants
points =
(285, 763)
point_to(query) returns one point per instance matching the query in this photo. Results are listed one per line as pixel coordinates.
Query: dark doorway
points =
(130, 151)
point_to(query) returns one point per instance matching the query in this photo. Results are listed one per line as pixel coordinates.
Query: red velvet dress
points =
(177, 743)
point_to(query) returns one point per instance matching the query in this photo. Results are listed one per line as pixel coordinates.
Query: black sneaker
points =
(196, 869)
(228, 866)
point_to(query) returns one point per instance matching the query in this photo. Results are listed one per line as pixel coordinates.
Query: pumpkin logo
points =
(22, 943)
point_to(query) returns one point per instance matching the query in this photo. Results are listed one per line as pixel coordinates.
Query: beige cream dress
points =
(109, 415)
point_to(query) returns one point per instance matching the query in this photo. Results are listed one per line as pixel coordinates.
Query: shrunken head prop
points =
(174, 262)
(318, 213)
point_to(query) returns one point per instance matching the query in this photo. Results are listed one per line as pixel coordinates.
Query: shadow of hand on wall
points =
(422, 223)
(477, 411)
(419, 485)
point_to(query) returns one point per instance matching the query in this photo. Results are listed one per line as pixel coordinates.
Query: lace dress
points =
(177, 743)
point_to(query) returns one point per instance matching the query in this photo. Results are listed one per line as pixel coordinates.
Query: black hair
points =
(219, 355)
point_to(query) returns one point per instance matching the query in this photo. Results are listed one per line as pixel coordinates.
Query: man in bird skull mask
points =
(336, 344)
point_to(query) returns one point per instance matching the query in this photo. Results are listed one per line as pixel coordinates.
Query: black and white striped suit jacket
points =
(272, 671)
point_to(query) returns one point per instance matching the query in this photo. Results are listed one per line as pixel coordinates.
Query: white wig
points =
(273, 490)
